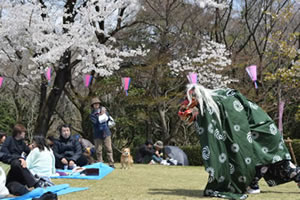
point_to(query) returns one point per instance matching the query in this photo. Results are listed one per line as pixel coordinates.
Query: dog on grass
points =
(126, 159)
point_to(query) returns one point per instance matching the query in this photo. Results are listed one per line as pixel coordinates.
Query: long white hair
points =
(203, 95)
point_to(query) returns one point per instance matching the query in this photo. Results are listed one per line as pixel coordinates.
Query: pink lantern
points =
(126, 83)
(87, 80)
(48, 74)
(1, 81)
(251, 70)
(192, 77)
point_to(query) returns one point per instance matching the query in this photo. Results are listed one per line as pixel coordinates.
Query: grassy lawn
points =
(161, 182)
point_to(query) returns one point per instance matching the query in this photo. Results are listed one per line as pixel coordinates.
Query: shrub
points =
(194, 154)
(296, 149)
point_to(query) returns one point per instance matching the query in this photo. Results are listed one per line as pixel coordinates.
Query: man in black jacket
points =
(13, 152)
(145, 152)
(67, 150)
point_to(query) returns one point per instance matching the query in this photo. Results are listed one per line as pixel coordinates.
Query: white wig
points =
(203, 95)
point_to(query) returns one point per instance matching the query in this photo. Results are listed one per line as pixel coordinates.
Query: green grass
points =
(156, 182)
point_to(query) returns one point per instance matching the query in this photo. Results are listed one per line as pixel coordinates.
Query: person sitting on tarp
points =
(88, 148)
(13, 153)
(158, 156)
(3, 190)
(67, 150)
(145, 152)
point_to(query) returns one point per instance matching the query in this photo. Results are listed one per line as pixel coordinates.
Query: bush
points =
(194, 154)
(296, 149)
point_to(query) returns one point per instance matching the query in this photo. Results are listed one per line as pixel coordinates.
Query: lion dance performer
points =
(240, 142)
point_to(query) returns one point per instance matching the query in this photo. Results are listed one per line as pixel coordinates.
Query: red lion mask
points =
(188, 112)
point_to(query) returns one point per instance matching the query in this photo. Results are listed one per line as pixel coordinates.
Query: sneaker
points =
(152, 162)
(164, 162)
(253, 190)
(112, 166)
(43, 183)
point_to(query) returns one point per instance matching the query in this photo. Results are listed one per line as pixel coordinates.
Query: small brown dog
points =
(126, 159)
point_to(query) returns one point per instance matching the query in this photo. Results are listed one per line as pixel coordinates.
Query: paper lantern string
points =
(251, 70)
(192, 77)
(87, 80)
(1, 81)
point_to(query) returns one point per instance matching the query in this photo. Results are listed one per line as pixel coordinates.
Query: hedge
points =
(194, 153)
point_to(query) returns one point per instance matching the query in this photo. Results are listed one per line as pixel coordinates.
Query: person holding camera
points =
(102, 134)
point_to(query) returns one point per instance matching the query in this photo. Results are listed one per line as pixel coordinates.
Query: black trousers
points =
(81, 161)
(19, 177)
(279, 173)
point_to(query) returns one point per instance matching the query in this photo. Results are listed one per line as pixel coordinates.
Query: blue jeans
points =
(156, 158)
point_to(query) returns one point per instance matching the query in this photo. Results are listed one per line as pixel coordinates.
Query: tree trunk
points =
(48, 106)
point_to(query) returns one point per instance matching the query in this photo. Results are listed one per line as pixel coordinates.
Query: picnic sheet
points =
(58, 189)
(103, 171)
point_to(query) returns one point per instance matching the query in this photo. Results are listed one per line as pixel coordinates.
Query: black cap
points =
(149, 141)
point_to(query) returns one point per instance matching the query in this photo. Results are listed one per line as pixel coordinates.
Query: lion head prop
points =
(197, 99)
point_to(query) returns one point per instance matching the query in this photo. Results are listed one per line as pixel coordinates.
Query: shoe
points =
(47, 196)
(253, 190)
(43, 183)
(152, 162)
(112, 166)
(164, 162)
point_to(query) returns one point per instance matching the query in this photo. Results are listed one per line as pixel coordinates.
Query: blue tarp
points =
(58, 189)
(103, 171)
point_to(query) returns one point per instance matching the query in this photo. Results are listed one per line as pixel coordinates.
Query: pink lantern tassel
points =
(255, 85)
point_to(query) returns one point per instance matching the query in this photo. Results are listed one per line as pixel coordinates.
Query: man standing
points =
(67, 150)
(102, 135)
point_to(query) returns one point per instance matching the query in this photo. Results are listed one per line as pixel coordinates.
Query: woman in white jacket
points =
(41, 161)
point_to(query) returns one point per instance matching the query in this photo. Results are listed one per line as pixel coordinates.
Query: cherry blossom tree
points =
(210, 60)
(70, 37)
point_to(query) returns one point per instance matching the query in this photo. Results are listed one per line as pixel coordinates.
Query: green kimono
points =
(246, 137)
